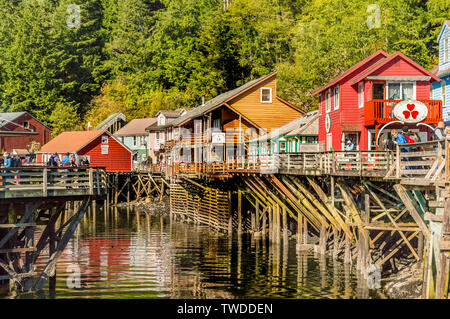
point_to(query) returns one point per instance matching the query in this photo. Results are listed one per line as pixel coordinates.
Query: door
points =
(378, 91)
(329, 141)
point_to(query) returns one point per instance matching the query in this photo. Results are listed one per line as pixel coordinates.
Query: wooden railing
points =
(41, 181)
(381, 111)
(427, 161)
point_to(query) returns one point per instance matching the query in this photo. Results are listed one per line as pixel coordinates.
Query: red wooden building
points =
(19, 129)
(356, 104)
(99, 147)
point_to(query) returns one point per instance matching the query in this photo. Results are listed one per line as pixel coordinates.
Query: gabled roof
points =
(304, 124)
(444, 25)
(7, 117)
(438, 73)
(171, 113)
(136, 127)
(219, 100)
(386, 60)
(352, 69)
(109, 120)
(73, 142)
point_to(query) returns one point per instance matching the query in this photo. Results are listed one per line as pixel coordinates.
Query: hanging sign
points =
(328, 123)
(410, 111)
(218, 138)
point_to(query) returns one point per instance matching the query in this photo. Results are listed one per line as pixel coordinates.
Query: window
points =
(26, 124)
(216, 124)
(443, 92)
(446, 49)
(161, 119)
(361, 94)
(327, 101)
(336, 97)
(282, 147)
(401, 91)
(105, 139)
(266, 95)
(135, 140)
(105, 149)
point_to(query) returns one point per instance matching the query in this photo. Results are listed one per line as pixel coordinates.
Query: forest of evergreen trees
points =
(73, 61)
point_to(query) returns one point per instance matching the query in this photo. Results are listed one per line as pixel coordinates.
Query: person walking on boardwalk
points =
(66, 160)
(439, 133)
(399, 138)
(8, 162)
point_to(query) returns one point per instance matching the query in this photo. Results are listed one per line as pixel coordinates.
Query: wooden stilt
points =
(239, 211)
(323, 240)
(285, 228)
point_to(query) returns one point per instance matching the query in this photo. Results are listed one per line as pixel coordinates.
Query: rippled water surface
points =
(125, 254)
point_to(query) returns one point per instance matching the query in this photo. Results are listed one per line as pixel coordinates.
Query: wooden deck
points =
(424, 163)
(39, 181)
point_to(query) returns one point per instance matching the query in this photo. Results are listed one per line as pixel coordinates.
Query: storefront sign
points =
(218, 138)
(410, 111)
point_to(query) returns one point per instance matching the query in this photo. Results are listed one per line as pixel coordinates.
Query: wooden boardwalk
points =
(36, 196)
(425, 164)
(31, 182)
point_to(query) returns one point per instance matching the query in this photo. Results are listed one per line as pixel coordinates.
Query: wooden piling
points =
(239, 211)
(323, 240)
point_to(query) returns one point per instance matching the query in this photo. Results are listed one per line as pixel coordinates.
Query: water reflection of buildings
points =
(135, 255)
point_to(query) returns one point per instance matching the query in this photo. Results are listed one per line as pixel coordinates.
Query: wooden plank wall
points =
(210, 208)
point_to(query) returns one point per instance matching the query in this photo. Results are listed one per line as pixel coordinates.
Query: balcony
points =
(381, 111)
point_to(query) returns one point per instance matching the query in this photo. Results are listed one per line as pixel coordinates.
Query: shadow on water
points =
(122, 253)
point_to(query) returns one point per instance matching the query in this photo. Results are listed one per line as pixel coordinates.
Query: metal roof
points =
(136, 127)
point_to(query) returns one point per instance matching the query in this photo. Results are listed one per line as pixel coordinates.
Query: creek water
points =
(123, 253)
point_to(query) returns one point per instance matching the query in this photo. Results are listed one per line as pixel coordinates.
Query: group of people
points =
(7, 160)
(405, 136)
(68, 160)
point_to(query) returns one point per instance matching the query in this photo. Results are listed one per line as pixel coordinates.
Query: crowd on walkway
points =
(67, 160)
(405, 136)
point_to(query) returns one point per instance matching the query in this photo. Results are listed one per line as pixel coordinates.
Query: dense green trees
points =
(73, 61)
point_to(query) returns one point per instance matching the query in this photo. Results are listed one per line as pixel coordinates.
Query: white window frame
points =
(401, 88)
(446, 49)
(443, 88)
(261, 95)
(360, 95)
(104, 139)
(336, 97)
(161, 119)
(328, 101)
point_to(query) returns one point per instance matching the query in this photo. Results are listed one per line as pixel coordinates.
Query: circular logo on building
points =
(328, 123)
(410, 111)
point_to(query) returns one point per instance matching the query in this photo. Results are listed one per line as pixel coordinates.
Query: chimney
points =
(89, 126)
(203, 100)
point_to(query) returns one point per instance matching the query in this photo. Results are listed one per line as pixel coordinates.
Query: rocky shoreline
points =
(405, 284)
(154, 207)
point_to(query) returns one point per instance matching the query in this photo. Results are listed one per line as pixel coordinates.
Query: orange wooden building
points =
(218, 129)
